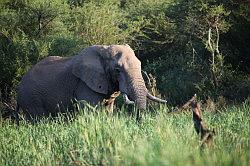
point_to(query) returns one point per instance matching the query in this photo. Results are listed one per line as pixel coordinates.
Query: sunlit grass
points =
(95, 138)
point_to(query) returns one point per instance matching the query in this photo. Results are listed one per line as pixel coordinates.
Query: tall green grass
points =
(95, 138)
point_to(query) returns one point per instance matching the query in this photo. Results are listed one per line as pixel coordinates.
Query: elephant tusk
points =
(126, 99)
(156, 99)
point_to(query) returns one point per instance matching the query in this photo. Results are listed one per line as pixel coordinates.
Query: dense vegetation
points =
(189, 46)
(93, 138)
(198, 46)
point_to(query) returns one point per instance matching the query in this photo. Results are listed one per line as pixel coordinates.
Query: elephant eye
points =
(117, 70)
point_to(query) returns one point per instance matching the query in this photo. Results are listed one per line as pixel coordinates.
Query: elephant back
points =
(47, 83)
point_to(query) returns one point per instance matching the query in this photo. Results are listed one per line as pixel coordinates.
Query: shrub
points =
(65, 46)
(98, 23)
(169, 36)
(16, 56)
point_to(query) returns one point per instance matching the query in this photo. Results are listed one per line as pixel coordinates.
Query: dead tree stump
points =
(206, 135)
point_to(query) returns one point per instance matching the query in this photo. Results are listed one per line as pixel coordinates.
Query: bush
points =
(169, 36)
(16, 57)
(65, 46)
(173, 45)
(98, 23)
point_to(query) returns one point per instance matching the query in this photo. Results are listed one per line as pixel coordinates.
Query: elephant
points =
(94, 74)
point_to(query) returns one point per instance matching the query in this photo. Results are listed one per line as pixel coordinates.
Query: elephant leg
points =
(35, 114)
(138, 115)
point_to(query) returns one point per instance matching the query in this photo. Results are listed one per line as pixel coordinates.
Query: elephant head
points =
(106, 69)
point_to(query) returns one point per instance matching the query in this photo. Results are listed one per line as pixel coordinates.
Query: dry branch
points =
(109, 103)
(187, 104)
(7, 110)
(199, 125)
(206, 135)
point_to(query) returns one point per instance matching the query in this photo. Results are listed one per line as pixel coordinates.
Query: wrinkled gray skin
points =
(92, 75)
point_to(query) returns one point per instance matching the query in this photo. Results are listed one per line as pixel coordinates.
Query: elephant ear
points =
(88, 66)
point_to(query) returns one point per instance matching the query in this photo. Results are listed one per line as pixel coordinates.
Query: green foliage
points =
(16, 57)
(98, 23)
(181, 43)
(36, 18)
(189, 46)
(186, 45)
(65, 46)
(94, 138)
(157, 29)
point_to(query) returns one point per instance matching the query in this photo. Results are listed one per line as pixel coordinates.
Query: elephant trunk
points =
(137, 90)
